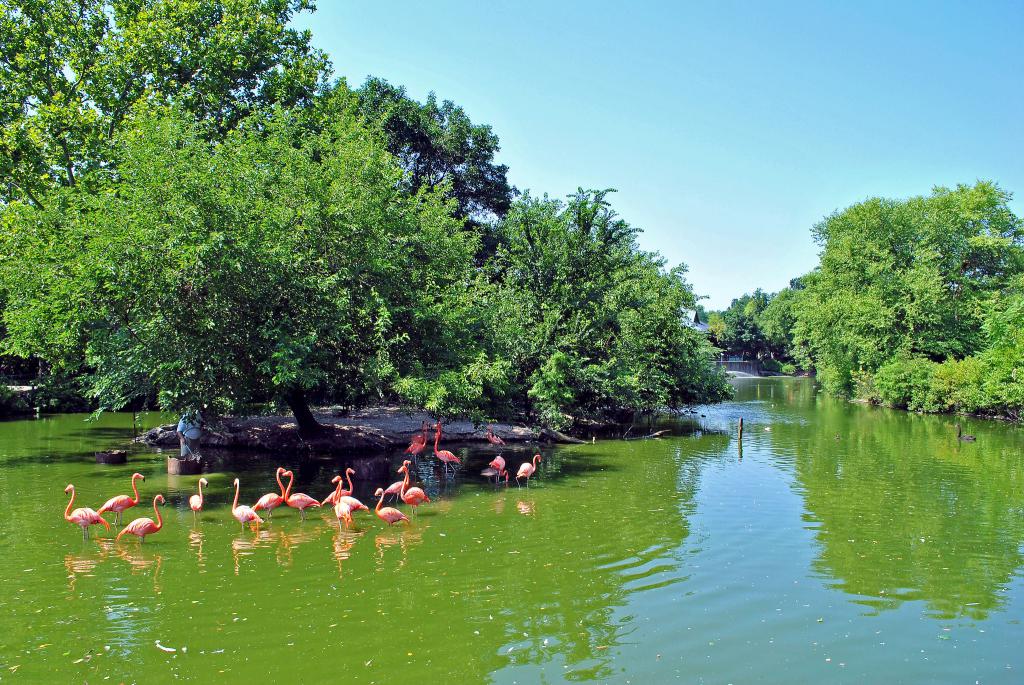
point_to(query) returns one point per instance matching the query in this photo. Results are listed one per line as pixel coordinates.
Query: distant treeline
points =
(915, 303)
(193, 214)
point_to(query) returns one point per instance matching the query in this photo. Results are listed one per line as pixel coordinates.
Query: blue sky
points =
(728, 129)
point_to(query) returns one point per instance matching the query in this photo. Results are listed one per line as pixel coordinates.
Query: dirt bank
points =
(376, 429)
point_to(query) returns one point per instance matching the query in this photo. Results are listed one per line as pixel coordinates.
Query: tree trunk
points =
(308, 425)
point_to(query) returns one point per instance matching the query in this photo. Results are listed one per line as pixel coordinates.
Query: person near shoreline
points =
(190, 431)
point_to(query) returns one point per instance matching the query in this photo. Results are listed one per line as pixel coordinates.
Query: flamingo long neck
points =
(67, 512)
(288, 491)
(437, 437)
(405, 483)
(379, 502)
(135, 490)
(337, 489)
(348, 475)
(234, 505)
(536, 458)
(159, 519)
(200, 490)
(280, 484)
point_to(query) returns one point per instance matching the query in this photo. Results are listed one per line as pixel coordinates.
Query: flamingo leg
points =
(85, 533)
(302, 514)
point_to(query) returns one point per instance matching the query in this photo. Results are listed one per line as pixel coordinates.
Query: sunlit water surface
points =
(841, 544)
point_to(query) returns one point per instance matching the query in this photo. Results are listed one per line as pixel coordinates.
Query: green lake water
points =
(847, 544)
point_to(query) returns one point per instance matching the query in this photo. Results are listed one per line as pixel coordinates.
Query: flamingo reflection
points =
(140, 561)
(343, 541)
(287, 542)
(195, 541)
(243, 546)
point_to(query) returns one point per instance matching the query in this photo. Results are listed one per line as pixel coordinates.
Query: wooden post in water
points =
(739, 439)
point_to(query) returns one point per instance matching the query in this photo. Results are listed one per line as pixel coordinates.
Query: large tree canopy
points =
(908, 278)
(275, 263)
(589, 323)
(71, 71)
(437, 144)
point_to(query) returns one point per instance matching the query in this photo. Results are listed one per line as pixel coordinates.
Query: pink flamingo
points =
(394, 489)
(299, 500)
(353, 503)
(121, 502)
(444, 456)
(527, 469)
(83, 516)
(414, 497)
(243, 513)
(419, 441)
(497, 467)
(492, 438)
(340, 496)
(390, 515)
(272, 500)
(344, 513)
(195, 502)
(144, 526)
(497, 473)
(338, 492)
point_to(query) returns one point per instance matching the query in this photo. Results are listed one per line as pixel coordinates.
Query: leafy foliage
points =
(71, 71)
(268, 265)
(438, 145)
(590, 324)
(908, 279)
(916, 303)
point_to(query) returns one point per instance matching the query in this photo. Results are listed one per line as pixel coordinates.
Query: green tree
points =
(743, 335)
(275, 264)
(590, 324)
(71, 71)
(777, 322)
(907, 278)
(438, 145)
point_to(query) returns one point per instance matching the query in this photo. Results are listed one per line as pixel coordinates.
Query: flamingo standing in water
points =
(419, 441)
(299, 500)
(344, 513)
(492, 438)
(272, 500)
(121, 502)
(195, 502)
(345, 503)
(83, 516)
(389, 515)
(414, 497)
(527, 469)
(144, 526)
(243, 513)
(338, 492)
(444, 456)
(497, 467)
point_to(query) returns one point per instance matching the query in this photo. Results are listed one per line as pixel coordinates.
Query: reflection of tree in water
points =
(909, 513)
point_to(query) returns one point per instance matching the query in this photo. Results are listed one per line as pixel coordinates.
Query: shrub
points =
(957, 386)
(906, 383)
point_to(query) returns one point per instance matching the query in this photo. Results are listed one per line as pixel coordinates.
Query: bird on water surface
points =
(963, 438)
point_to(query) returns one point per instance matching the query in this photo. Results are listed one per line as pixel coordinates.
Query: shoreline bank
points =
(373, 429)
